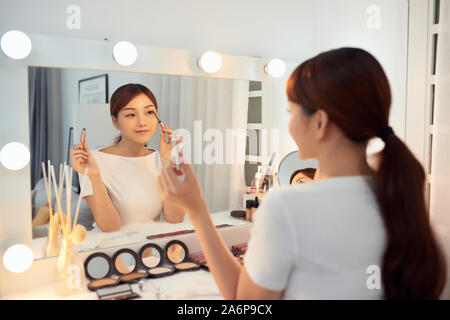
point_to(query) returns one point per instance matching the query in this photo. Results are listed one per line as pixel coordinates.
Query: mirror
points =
(294, 170)
(176, 251)
(125, 261)
(98, 266)
(201, 109)
(151, 255)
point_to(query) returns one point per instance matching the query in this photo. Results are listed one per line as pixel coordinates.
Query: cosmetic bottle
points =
(248, 212)
(267, 181)
(256, 181)
(254, 208)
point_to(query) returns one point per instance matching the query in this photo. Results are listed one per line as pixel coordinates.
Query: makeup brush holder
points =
(69, 270)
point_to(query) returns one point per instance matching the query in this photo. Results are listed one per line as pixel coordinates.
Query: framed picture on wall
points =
(93, 90)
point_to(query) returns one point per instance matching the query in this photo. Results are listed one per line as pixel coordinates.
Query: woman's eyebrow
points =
(130, 108)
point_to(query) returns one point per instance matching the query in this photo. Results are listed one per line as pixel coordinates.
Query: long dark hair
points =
(350, 85)
(125, 94)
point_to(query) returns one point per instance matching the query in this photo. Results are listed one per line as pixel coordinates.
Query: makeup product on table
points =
(256, 181)
(151, 257)
(177, 253)
(248, 209)
(267, 180)
(199, 257)
(254, 208)
(121, 292)
(239, 214)
(163, 235)
(125, 262)
(99, 268)
(176, 233)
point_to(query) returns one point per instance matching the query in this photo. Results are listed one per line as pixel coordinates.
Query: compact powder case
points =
(98, 268)
(125, 262)
(178, 254)
(151, 256)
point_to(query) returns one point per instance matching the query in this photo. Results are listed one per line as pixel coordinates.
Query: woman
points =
(122, 178)
(323, 239)
(302, 175)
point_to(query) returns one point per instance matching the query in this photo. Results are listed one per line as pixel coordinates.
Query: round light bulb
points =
(18, 258)
(210, 61)
(16, 44)
(275, 68)
(15, 156)
(125, 53)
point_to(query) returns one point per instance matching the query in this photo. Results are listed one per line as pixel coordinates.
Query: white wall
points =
(293, 30)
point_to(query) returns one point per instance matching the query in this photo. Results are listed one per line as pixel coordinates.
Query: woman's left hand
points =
(186, 194)
(165, 147)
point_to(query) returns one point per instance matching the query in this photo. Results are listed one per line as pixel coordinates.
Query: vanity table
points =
(197, 284)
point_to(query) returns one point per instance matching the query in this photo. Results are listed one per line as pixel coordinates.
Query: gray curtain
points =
(45, 119)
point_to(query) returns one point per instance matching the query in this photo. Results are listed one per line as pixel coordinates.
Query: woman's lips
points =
(142, 131)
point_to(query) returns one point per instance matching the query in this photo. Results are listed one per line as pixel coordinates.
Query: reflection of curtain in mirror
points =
(440, 166)
(217, 103)
(44, 119)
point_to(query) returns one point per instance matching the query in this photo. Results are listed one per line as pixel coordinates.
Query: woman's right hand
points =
(82, 159)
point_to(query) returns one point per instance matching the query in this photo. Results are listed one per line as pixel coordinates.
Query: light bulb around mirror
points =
(125, 53)
(15, 156)
(16, 44)
(275, 68)
(210, 61)
(18, 258)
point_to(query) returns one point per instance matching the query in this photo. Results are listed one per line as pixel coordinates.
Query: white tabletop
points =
(179, 286)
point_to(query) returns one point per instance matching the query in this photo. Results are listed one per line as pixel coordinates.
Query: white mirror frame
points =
(60, 52)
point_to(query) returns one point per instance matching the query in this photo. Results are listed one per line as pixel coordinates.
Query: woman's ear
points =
(115, 122)
(322, 122)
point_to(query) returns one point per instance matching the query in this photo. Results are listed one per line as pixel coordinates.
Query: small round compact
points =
(98, 268)
(151, 256)
(178, 254)
(125, 263)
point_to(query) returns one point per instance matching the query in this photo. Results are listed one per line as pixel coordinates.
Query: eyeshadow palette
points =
(199, 257)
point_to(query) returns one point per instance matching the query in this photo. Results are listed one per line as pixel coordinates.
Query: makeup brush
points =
(159, 121)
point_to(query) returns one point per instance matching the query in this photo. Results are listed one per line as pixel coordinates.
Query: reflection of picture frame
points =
(93, 90)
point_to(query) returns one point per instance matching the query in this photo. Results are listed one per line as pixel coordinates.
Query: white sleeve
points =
(271, 251)
(87, 191)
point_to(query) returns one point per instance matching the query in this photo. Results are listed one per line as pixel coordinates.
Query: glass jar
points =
(69, 269)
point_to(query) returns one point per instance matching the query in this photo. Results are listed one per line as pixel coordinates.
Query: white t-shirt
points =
(131, 185)
(318, 240)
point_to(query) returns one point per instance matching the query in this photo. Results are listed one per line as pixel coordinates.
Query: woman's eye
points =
(129, 115)
(151, 112)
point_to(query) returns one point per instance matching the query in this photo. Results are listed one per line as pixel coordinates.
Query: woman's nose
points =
(141, 120)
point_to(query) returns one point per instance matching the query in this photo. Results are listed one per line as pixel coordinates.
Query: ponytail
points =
(413, 264)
